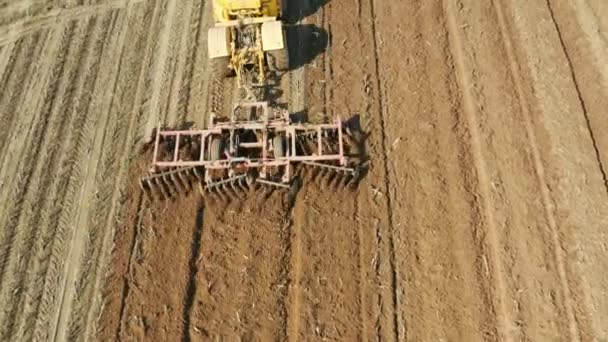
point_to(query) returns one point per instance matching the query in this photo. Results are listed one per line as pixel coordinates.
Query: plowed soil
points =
(483, 214)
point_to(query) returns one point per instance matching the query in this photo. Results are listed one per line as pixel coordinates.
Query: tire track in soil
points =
(14, 171)
(369, 253)
(10, 102)
(198, 86)
(94, 131)
(113, 153)
(114, 298)
(53, 109)
(539, 169)
(573, 185)
(23, 168)
(434, 196)
(190, 36)
(112, 188)
(160, 68)
(42, 161)
(30, 24)
(465, 84)
(177, 63)
(72, 88)
(522, 234)
(6, 57)
(398, 324)
(341, 307)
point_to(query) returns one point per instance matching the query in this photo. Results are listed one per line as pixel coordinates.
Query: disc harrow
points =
(257, 149)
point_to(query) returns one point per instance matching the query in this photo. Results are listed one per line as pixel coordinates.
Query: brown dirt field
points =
(482, 216)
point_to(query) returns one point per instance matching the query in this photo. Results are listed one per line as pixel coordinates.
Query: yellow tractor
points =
(248, 40)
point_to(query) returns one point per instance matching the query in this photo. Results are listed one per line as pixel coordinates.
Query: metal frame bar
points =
(261, 126)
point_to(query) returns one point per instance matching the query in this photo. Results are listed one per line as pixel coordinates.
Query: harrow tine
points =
(243, 185)
(159, 186)
(228, 189)
(170, 179)
(336, 180)
(201, 190)
(179, 183)
(167, 184)
(346, 180)
(184, 181)
(145, 187)
(321, 176)
(330, 177)
(197, 174)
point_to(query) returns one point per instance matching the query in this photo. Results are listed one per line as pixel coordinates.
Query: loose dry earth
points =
(484, 214)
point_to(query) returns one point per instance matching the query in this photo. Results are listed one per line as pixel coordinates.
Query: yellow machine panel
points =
(225, 10)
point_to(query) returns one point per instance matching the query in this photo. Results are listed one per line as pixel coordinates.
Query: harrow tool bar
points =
(169, 182)
(238, 181)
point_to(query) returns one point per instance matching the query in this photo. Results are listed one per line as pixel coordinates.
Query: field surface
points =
(483, 215)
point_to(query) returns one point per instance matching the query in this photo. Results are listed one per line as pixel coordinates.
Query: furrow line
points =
(329, 108)
(53, 109)
(10, 101)
(198, 88)
(29, 25)
(181, 64)
(539, 169)
(580, 97)
(43, 161)
(492, 243)
(94, 133)
(55, 146)
(293, 239)
(141, 102)
(102, 96)
(126, 290)
(190, 36)
(190, 293)
(133, 128)
(13, 64)
(89, 301)
(6, 60)
(160, 68)
(72, 89)
(358, 212)
(294, 291)
(399, 327)
(282, 308)
(17, 165)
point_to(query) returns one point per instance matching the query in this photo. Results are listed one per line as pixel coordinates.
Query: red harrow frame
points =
(257, 146)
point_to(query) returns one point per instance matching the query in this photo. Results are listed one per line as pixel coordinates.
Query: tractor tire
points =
(221, 68)
(278, 145)
(215, 149)
(279, 59)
